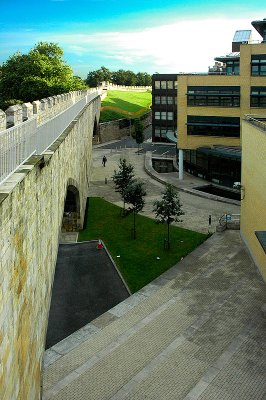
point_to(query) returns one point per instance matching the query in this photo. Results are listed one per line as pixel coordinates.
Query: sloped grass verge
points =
(126, 102)
(138, 259)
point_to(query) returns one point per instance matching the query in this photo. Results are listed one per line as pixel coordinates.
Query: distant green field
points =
(122, 104)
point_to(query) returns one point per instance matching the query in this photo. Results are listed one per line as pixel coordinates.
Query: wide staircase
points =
(196, 332)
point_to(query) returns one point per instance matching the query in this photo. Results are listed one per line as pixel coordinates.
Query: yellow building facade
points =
(244, 81)
(253, 204)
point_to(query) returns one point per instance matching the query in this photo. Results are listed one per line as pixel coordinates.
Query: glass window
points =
(258, 65)
(157, 84)
(170, 84)
(157, 100)
(216, 96)
(170, 115)
(157, 132)
(169, 100)
(193, 156)
(255, 70)
(213, 126)
(163, 84)
(163, 115)
(157, 115)
(232, 67)
(263, 70)
(163, 100)
(258, 96)
(175, 84)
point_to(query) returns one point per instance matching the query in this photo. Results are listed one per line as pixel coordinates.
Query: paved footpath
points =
(197, 209)
(196, 332)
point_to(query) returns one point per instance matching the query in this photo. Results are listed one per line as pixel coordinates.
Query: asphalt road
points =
(165, 149)
(86, 285)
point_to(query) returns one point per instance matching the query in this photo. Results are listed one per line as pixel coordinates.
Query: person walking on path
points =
(104, 161)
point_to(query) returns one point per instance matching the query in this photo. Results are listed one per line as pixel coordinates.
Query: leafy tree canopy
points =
(94, 78)
(135, 196)
(169, 208)
(40, 73)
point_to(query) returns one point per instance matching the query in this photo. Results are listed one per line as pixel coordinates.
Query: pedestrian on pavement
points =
(104, 161)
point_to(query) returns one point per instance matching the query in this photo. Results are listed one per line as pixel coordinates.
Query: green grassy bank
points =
(123, 104)
(143, 259)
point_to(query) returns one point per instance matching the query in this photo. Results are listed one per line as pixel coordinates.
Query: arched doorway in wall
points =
(71, 215)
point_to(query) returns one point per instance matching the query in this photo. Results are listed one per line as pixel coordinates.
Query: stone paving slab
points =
(196, 333)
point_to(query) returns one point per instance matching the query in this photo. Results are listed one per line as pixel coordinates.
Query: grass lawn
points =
(119, 104)
(138, 261)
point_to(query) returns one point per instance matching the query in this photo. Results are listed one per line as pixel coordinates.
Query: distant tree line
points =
(120, 77)
(43, 72)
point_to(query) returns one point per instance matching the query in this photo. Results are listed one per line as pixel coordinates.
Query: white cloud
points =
(184, 46)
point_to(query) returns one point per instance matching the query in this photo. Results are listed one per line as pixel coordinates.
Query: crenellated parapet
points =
(27, 111)
(2, 120)
(43, 109)
(112, 86)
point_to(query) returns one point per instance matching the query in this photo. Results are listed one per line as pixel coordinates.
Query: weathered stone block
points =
(14, 115)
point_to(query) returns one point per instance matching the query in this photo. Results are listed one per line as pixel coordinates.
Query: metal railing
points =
(48, 132)
(17, 144)
(256, 119)
(228, 219)
(20, 142)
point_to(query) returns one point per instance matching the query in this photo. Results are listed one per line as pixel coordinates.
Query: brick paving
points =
(197, 332)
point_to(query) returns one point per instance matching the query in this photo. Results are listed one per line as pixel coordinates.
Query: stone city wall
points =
(112, 86)
(31, 210)
(45, 109)
(116, 130)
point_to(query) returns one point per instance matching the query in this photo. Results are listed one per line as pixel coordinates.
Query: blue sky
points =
(128, 34)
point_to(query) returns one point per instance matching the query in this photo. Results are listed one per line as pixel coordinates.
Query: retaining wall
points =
(116, 130)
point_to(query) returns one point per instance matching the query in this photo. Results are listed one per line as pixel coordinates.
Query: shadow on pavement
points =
(86, 285)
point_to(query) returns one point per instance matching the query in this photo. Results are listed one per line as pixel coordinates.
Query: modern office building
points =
(211, 107)
(164, 107)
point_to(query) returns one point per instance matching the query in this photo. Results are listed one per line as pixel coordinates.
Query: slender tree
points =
(168, 209)
(138, 132)
(123, 177)
(134, 195)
